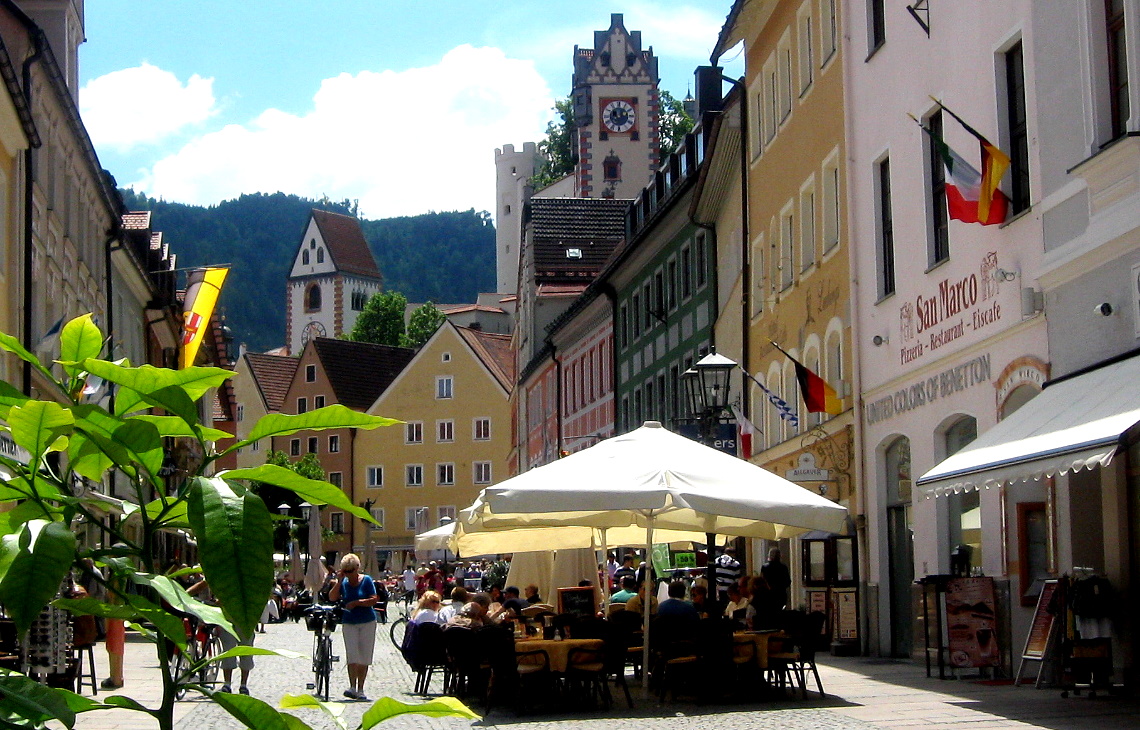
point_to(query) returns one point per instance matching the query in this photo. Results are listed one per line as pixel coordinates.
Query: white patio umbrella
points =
(653, 478)
(315, 573)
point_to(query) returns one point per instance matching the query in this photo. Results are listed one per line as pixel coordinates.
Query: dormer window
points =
(573, 253)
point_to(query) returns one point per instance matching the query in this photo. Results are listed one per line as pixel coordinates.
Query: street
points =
(862, 693)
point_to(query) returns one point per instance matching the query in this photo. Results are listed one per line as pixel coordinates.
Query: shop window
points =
(1032, 549)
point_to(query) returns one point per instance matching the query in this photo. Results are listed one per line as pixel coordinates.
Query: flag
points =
(781, 405)
(972, 196)
(202, 290)
(745, 431)
(50, 338)
(819, 397)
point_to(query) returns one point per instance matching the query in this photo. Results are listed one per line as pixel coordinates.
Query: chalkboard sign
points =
(578, 601)
(1037, 643)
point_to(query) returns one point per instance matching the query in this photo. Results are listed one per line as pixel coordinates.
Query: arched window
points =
(320, 255)
(305, 258)
(964, 509)
(313, 298)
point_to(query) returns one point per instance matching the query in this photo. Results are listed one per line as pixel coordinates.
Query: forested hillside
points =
(442, 257)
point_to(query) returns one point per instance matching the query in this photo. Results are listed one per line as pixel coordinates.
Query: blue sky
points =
(399, 105)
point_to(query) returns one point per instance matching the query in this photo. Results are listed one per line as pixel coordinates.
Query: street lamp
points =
(445, 520)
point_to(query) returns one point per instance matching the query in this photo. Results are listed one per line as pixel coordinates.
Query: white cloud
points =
(142, 106)
(401, 142)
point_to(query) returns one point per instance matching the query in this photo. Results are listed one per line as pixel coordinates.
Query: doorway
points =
(900, 546)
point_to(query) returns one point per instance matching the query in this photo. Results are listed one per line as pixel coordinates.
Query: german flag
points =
(819, 397)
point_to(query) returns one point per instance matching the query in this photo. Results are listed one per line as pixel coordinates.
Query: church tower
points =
(332, 277)
(618, 110)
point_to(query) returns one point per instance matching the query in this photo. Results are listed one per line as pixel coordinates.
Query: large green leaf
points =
(147, 379)
(139, 609)
(144, 442)
(172, 427)
(10, 396)
(386, 708)
(11, 520)
(12, 345)
(180, 600)
(87, 458)
(79, 340)
(335, 710)
(38, 426)
(257, 651)
(334, 416)
(173, 513)
(235, 544)
(26, 698)
(174, 400)
(254, 713)
(35, 561)
(312, 490)
(99, 428)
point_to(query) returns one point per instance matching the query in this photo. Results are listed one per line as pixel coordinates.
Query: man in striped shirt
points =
(727, 571)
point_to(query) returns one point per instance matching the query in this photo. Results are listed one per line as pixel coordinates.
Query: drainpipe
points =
(610, 293)
(29, 179)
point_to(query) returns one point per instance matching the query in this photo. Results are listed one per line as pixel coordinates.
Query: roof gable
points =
(573, 237)
(494, 351)
(359, 371)
(272, 375)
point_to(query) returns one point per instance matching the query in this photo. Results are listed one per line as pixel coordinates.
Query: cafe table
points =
(558, 651)
(759, 640)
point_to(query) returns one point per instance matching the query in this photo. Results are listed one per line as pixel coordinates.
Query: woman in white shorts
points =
(356, 594)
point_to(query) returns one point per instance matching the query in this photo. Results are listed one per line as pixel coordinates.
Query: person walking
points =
(779, 579)
(356, 593)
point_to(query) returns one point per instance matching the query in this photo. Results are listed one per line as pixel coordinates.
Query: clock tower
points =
(617, 109)
(332, 277)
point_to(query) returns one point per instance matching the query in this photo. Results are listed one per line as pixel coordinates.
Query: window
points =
(415, 518)
(310, 373)
(635, 315)
(659, 290)
(623, 326)
(806, 51)
(482, 429)
(701, 255)
(831, 203)
(482, 472)
(446, 512)
(445, 475)
(294, 447)
(320, 255)
(1017, 129)
(807, 228)
(359, 299)
(785, 55)
(939, 230)
(255, 446)
(445, 357)
(444, 387)
(336, 522)
(835, 360)
(1117, 66)
(787, 250)
(771, 107)
(378, 515)
(650, 404)
(241, 412)
(445, 431)
(759, 112)
(336, 479)
(964, 509)
(647, 295)
(375, 477)
(414, 432)
(759, 280)
(305, 257)
(334, 444)
(686, 272)
(671, 282)
(1033, 549)
(414, 475)
(313, 444)
(830, 29)
(886, 230)
(878, 24)
(313, 299)
(302, 405)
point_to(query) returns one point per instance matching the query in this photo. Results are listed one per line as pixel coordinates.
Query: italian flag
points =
(972, 196)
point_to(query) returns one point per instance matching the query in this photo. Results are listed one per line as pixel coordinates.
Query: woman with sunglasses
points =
(356, 594)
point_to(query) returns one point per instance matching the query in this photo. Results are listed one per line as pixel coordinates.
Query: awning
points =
(1075, 423)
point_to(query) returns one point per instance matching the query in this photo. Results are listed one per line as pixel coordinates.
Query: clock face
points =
(312, 329)
(619, 116)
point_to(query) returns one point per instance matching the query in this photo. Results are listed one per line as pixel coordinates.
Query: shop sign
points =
(941, 385)
(724, 435)
(806, 470)
(11, 450)
(956, 307)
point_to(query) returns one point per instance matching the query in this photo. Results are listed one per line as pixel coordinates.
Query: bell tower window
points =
(313, 298)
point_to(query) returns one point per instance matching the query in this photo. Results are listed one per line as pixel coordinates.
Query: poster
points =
(846, 614)
(971, 623)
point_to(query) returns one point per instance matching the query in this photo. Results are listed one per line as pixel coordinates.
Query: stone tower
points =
(513, 171)
(617, 110)
(332, 277)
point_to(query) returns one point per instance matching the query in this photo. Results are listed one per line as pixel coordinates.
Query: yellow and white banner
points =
(202, 290)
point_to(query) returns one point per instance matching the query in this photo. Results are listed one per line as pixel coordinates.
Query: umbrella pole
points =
(604, 575)
(647, 605)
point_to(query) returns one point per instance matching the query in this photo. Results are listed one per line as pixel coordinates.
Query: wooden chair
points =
(586, 677)
(791, 662)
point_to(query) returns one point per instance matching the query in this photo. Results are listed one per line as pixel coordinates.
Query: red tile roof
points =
(346, 243)
(360, 371)
(495, 352)
(272, 374)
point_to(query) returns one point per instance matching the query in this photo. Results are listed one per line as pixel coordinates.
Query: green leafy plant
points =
(69, 440)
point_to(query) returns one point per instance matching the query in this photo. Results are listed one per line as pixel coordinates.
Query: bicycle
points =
(322, 621)
(203, 643)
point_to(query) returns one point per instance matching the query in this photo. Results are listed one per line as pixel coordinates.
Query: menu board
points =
(971, 622)
(1042, 626)
(846, 614)
(578, 601)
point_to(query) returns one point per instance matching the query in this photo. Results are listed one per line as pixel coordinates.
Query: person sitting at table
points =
(737, 604)
(512, 605)
(427, 608)
(531, 592)
(760, 614)
(459, 598)
(676, 606)
(473, 614)
(699, 597)
(628, 590)
(636, 603)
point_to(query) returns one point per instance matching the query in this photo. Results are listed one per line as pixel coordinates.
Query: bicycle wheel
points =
(399, 628)
(209, 672)
(323, 668)
(179, 668)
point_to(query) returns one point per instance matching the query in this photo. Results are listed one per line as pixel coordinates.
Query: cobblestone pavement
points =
(862, 693)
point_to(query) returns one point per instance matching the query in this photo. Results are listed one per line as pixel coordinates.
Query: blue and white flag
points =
(786, 411)
(50, 338)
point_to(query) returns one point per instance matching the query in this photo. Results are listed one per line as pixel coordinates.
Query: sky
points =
(398, 105)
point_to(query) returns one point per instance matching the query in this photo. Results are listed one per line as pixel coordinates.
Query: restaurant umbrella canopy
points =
(654, 478)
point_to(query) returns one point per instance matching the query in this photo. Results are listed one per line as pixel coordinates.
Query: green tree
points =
(382, 321)
(675, 124)
(556, 158)
(422, 324)
(67, 438)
